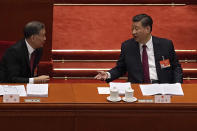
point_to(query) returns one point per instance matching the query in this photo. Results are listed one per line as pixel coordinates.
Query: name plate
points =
(32, 100)
(11, 98)
(162, 98)
(145, 100)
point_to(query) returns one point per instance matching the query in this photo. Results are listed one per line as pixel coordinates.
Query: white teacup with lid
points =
(129, 95)
(114, 95)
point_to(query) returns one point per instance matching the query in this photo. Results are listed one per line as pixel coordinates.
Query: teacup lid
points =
(113, 89)
(129, 90)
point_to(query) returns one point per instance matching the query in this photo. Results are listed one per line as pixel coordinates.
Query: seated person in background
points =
(21, 60)
(146, 58)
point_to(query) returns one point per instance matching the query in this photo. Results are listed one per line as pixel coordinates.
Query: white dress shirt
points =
(30, 51)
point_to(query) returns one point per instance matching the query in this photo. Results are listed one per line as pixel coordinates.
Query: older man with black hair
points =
(20, 61)
(146, 58)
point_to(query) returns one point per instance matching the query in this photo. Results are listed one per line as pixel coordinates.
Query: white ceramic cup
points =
(129, 94)
(114, 94)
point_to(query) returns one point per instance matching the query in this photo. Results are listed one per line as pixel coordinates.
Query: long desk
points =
(79, 107)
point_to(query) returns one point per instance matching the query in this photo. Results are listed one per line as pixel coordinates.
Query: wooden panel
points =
(88, 93)
(124, 1)
(137, 120)
(119, 116)
(82, 109)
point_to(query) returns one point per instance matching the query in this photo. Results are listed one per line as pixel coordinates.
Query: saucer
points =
(133, 99)
(117, 99)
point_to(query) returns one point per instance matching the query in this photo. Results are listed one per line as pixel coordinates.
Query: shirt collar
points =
(148, 44)
(29, 48)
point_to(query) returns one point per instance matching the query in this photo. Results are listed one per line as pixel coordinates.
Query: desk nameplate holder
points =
(32, 100)
(162, 98)
(145, 101)
(11, 98)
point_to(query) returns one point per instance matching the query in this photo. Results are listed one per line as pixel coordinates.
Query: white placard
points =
(162, 99)
(11, 98)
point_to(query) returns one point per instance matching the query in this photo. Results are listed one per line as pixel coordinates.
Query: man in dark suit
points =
(20, 61)
(146, 58)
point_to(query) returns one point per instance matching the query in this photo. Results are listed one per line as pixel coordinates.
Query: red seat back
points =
(4, 45)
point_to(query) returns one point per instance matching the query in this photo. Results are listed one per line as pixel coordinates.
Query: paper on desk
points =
(13, 89)
(1, 90)
(21, 90)
(171, 89)
(9, 89)
(103, 90)
(37, 90)
(120, 86)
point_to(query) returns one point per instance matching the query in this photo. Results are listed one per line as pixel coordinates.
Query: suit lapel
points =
(138, 56)
(138, 62)
(26, 54)
(157, 56)
(37, 57)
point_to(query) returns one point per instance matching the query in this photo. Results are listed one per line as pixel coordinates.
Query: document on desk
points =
(21, 90)
(120, 86)
(103, 90)
(1, 90)
(13, 89)
(164, 89)
(37, 90)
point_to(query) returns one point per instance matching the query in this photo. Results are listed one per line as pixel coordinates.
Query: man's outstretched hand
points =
(102, 75)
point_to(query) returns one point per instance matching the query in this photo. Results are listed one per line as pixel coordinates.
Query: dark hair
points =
(145, 20)
(33, 28)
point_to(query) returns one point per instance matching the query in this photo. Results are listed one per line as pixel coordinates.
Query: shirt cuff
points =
(109, 75)
(31, 80)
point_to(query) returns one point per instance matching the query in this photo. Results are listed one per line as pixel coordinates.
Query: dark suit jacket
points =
(130, 61)
(15, 67)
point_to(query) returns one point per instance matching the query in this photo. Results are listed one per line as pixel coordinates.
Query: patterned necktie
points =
(145, 65)
(33, 54)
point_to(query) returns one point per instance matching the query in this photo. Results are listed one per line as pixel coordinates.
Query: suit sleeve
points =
(12, 63)
(120, 68)
(176, 67)
(2, 74)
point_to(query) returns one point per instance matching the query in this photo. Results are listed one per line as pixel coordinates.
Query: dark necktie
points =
(145, 65)
(33, 54)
